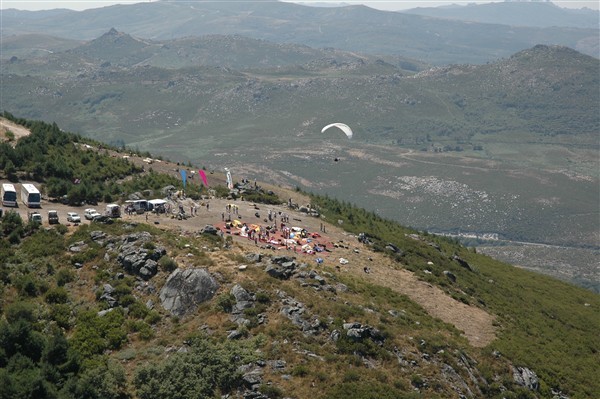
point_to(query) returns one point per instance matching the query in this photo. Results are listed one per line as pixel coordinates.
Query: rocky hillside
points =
(352, 306)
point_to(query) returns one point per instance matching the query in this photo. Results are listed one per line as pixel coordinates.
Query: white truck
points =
(113, 211)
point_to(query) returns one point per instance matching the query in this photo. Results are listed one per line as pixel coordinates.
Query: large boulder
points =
(462, 262)
(185, 289)
(526, 378)
(136, 259)
(210, 230)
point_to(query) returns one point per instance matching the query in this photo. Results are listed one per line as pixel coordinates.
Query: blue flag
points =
(183, 177)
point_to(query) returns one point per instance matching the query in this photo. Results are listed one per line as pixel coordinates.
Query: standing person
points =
(222, 216)
(207, 205)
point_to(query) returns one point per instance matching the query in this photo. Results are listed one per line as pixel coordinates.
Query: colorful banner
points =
(203, 177)
(183, 176)
(229, 180)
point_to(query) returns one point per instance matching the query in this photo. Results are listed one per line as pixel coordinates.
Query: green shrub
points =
(271, 391)
(94, 334)
(263, 297)
(61, 229)
(351, 376)
(138, 310)
(371, 390)
(167, 264)
(207, 367)
(153, 317)
(116, 337)
(224, 302)
(61, 314)
(21, 311)
(64, 276)
(126, 354)
(300, 371)
(417, 381)
(28, 285)
(44, 243)
(126, 300)
(57, 295)
(146, 332)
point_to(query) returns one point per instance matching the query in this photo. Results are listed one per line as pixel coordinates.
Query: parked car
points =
(90, 213)
(102, 219)
(73, 217)
(53, 217)
(34, 217)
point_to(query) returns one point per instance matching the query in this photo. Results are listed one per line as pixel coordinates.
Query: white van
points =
(90, 213)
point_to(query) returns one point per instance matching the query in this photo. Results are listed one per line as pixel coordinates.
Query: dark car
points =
(102, 219)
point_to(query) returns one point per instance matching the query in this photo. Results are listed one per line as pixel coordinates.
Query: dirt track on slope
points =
(475, 323)
(17, 130)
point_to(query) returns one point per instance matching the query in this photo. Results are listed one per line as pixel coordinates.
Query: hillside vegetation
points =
(80, 320)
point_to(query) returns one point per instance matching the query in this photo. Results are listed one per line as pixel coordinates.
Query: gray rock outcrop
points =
(462, 262)
(526, 378)
(358, 332)
(297, 313)
(138, 260)
(243, 300)
(185, 289)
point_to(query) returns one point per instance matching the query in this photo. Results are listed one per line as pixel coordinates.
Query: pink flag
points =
(203, 177)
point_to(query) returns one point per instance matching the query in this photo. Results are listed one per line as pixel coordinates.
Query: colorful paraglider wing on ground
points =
(342, 126)
(203, 177)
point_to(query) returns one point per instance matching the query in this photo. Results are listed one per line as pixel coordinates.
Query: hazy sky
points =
(382, 4)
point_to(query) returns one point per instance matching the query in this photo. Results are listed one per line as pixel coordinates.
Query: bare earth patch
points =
(17, 130)
(475, 323)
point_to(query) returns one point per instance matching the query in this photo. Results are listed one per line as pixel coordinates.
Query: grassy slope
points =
(541, 320)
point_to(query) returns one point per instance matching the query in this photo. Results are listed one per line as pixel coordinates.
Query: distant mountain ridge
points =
(227, 51)
(352, 28)
(552, 79)
(536, 14)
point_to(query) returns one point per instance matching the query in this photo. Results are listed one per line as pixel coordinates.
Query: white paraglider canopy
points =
(342, 126)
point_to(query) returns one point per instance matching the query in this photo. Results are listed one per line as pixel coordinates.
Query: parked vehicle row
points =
(31, 197)
(72, 217)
